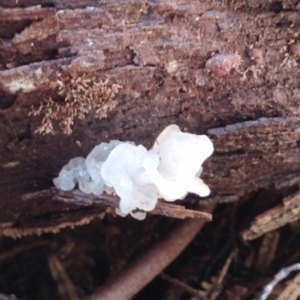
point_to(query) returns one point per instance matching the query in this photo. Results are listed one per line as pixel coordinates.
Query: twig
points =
(79, 198)
(64, 284)
(282, 274)
(138, 274)
(274, 218)
(183, 285)
(10, 253)
(179, 212)
(216, 289)
(220, 199)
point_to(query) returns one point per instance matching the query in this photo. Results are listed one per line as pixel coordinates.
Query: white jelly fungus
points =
(181, 157)
(170, 170)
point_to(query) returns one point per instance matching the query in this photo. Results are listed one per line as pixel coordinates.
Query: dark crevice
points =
(26, 135)
(286, 24)
(6, 99)
(39, 56)
(276, 6)
(170, 17)
(43, 50)
(9, 29)
(48, 4)
(235, 152)
(118, 58)
(131, 55)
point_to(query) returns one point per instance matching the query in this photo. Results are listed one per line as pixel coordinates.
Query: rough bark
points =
(157, 52)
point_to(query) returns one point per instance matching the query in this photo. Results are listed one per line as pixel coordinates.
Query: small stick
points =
(139, 273)
(183, 285)
(216, 289)
(282, 274)
(10, 253)
(275, 217)
(79, 198)
(64, 284)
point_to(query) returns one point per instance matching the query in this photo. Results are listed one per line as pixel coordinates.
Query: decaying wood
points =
(267, 250)
(75, 209)
(157, 52)
(275, 217)
(260, 148)
(139, 273)
(79, 198)
(27, 13)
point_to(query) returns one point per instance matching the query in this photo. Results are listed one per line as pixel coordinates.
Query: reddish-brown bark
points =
(157, 52)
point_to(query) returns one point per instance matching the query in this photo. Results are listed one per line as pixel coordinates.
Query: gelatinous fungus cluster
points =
(169, 170)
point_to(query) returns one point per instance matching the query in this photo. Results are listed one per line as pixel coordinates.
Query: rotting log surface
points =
(157, 51)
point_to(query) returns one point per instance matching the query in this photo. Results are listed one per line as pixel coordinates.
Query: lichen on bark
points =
(80, 95)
